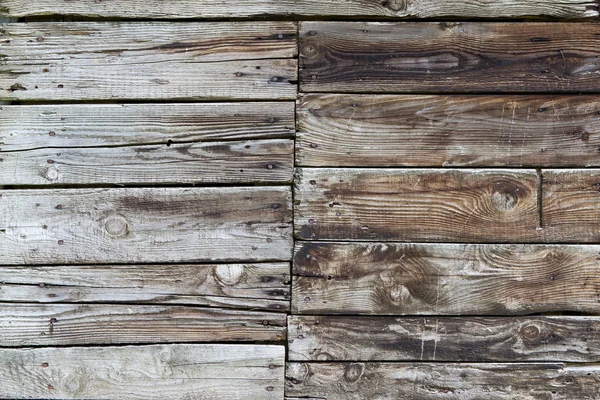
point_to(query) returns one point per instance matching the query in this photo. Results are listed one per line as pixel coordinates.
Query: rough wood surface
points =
(125, 60)
(227, 372)
(417, 205)
(145, 225)
(444, 279)
(379, 381)
(449, 57)
(253, 286)
(336, 338)
(432, 131)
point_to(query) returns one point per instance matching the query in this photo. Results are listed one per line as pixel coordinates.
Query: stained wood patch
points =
(145, 225)
(417, 205)
(444, 279)
(241, 286)
(121, 60)
(438, 131)
(333, 381)
(320, 338)
(449, 57)
(144, 372)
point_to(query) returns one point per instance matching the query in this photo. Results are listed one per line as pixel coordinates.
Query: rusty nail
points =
(311, 110)
(307, 298)
(40, 39)
(44, 365)
(271, 120)
(59, 207)
(238, 74)
(312, 33)
(314, 77)
(60, 86)
(269, 388)
(42, 284)
(311, 221)
(280, 36)
(45, 70)
(50, 161)
(265, 323)
(50, 387)
(52, 133)
(271, 366)
(53, 320)
(269, 240)
(269, 166)
(313, 145)
(61, 242)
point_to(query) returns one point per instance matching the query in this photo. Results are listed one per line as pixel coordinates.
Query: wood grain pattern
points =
(337, 130)
(240, 286)
(418, 381)
(417, 205)
(336, 338)
(449, 57)
(144, 372)
(145, 225)
(120, 60)
(445, 279)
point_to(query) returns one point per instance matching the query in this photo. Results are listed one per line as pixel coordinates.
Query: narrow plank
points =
(333, 338)
(444, 279)
(417, 205)
(144, 372)
(433, 381)
(145, 225)
(449, 57)
(151, 60)
(240, 286)
(337, 130)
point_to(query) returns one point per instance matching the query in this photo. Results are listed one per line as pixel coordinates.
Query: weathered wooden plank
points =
(273, 8)
(120, 60)
(417, 205)
(431, 131)
(449, 57)
(445, 279)
(144, 372)
(139, 225)
(103, 125)
(253, 286)
(431, 381)
(334, 338)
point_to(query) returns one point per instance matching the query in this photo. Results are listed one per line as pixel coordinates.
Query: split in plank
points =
(151, 60)
(144, 372)
(449, 57)
(444, 279)
(337, 130)
(138, 225)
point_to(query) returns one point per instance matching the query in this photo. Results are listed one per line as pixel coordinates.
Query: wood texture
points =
(335, 338)
(449, 57)
(378, 381)
(441, 131)
(241, 286)
(145, 225)
(445, 279)
(417, 205)
(144, 372)
(120, 60)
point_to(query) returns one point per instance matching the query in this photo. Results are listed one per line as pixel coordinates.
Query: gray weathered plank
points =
(336, 130)
(145, 225)
(152, 60)
(444, 279)
(241, 286)
(431, 381)
(451, 205)
(343, 338)
(144, 372)
(449, 57)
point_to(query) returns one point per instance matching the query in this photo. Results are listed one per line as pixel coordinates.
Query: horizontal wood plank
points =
(444, 279)
(419, 381)
(144, 372)
(145, 225)
(337, 130)
(449, 57)
(151, 60)
(342, 338)
(417, 205)
(240, 286)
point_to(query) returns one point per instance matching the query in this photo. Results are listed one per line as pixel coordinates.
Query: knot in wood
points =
(116, 226)
(396, 5)
(353, 372)
(229, 275)
(530, 332)
(505, 196)
(52, 174)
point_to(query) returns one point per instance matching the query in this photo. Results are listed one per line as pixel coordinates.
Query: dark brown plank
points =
(341, 130)
(449, 57)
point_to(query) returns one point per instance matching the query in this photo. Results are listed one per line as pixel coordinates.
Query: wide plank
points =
(449, 57)
(344, 338)
(454, 205)
(433, 381)
(445, 279)
(149, 60)
(241, 286)
(185, 371)
(138, 225)
(342, 130)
